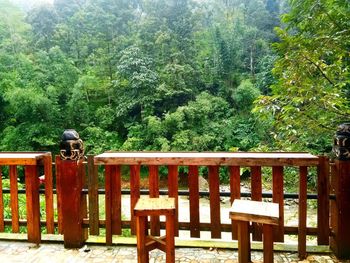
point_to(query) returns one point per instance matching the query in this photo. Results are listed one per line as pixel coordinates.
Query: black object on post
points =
(341, 146)
(71, 146)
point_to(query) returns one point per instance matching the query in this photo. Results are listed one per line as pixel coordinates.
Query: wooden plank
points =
(302, 212)
(214, 196)
(154, 192)
(14, 198)
(93, 196)
(173, 191)
(155, 206)
(211, 158)
(108, 203)
(235, 188)
(323, 201)
(116, 200)
(256, 190)
(2, 224)
(50, 227)
(58, 194)
(21, 158)
(253, 211)
(193, 186)
(32, 203)
(134, 193)
(277, 197)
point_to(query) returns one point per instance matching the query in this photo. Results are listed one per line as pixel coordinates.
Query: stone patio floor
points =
(56, 253)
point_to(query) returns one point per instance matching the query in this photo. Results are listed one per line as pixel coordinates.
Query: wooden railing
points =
(234, 161)
(31, 162)
(115, 215)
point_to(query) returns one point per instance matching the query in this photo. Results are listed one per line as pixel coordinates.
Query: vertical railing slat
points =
(108, 203)
(83, 198)
(58, 195)
(14, 198)
(154, 192)
(235, 187)
(193, 185)
(323, 201)
(256, 190)
(277, 197)
(134, 193)
(214, 196)
(116, 200)
(302, 212)
(32, 203)
(173, 188)
(2, 224)
(50, 225)
(93, 196)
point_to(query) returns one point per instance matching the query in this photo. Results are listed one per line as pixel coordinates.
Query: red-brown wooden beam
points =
(235, 187)
(256, 190)
(14, 198)
(214, 196)
(32, 203)
(173, 188)
(134, 193)
(50, 227)
(277, 197)
(193, 185)
(302, 212)
(154, 192)
(2, 223)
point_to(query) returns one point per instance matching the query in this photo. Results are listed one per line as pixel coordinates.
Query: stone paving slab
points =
(22, 252)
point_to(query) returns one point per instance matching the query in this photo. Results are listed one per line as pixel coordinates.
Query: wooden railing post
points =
(71, 199)
(71, 171)
(340, 207)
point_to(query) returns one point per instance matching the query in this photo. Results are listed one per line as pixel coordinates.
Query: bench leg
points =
(141, 225)
(268, 243)
(170, 241)
(243, 242)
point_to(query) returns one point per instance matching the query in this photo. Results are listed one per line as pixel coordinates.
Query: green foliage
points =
(310, 96)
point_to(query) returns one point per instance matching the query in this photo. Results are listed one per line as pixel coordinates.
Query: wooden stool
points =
(155, 207)
(245, 211)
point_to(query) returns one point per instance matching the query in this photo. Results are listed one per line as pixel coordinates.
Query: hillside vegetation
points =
(175, 75)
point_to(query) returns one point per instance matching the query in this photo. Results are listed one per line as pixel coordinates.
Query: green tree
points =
(311, 94)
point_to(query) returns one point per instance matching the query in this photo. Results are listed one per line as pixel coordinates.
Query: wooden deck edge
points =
(179, 242)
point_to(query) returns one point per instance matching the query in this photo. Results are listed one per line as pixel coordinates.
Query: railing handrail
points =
(208, 158)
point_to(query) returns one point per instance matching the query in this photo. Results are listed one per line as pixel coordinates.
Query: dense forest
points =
(175, 75)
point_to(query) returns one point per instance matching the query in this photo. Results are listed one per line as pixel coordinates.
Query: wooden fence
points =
(115, 221)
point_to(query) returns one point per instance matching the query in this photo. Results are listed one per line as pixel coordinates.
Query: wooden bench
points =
(155, 207)
(246, 211)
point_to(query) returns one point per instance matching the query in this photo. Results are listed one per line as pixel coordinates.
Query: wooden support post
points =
(71, 184)
(235, 188)
(33, 204)
(93, 196)
(340, 212)
(2, 223)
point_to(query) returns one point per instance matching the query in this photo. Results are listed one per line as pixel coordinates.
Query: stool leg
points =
(170, 240)
(268, 243)
(141, 225)
(243, 242)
